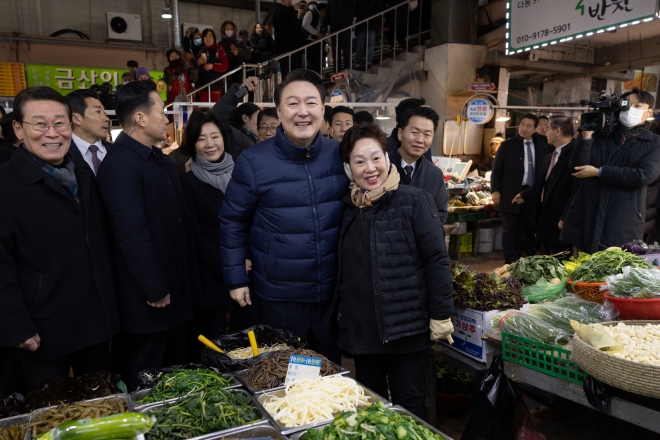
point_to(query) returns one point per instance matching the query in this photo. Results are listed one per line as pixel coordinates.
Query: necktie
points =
(96, 162)
(409, 170)
(553, 159)
(530, 164)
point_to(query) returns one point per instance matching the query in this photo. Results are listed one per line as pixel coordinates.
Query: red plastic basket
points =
(630, 308)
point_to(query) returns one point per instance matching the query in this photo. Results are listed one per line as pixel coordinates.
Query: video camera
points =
(605, 114)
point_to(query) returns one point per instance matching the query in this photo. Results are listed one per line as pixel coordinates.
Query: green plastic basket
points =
(546, 358)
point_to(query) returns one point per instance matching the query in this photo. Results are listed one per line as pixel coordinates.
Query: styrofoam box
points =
(468, 329)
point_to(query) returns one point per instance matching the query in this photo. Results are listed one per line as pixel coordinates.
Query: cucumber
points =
(116, 426)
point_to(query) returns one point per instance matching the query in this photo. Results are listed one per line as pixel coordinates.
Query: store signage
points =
(66, 79)
(482, 87)
(469, 328)
(339, 75)
(479, 111)
(303, 367)
(12, 78)
(538, 23)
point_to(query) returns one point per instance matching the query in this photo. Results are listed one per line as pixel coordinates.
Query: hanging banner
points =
(538, 23)
(66, 79)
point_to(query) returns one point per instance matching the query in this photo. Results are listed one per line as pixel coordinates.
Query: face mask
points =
(125, 82)
(198, 41)
(632, 117)
(229, 34)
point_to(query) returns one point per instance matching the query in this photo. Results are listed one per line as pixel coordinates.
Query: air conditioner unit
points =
(124, 26)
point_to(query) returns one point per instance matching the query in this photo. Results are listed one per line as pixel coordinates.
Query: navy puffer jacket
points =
(286, 201)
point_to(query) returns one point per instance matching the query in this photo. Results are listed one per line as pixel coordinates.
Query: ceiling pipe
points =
(176, 24)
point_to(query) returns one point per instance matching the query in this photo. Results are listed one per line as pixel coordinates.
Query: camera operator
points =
(609, 207)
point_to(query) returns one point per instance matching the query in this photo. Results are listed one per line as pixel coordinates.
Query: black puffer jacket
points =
(410, 279)
(263, 45)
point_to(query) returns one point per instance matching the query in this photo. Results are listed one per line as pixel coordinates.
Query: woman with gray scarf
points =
(204, 187)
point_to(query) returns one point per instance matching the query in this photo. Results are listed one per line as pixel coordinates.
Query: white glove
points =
(441, 330)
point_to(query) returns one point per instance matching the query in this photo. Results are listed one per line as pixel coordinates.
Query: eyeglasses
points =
(42, 127)
(268, 127)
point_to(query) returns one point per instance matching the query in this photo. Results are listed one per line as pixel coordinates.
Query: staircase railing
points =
(258, 68)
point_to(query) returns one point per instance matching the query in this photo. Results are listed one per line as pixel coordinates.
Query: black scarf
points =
(623, 134)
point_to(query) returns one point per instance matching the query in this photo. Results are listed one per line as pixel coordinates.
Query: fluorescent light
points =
(624, 25)
(382, 115)
(635, 22)
(505, 117)
(167, 13)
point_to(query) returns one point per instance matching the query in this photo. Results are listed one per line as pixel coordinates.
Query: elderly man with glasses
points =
(57, 284)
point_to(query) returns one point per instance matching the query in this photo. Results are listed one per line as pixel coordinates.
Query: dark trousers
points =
(243, 317)
(286, 67)
(86, 360)
(134, 353)
(211, 323)
(11, 377)
(310, 321)
(405, 374)
(314, 57)
(517, 235)
(342, 42)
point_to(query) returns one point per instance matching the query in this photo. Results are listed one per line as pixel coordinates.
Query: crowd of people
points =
(339, 241)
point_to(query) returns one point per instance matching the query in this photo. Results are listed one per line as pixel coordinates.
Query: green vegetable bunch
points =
(182, 382)
(560, 312)
(605, 263)
(638, 283)
(533, 269)
(202, 413)
(530, 327)
(373, 423)
(453, 380)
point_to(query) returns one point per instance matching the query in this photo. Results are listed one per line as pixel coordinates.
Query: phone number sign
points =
(533, 24)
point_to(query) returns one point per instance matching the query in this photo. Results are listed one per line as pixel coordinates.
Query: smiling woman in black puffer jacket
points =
(262, 43)
(394, 289)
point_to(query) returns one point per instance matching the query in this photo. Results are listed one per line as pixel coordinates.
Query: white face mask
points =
(632, 117)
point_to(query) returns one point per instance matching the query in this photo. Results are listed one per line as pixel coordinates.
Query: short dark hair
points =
(243, 32)
(76, 100)
(321, 7)
(170, 51)
(533, 117)
(327, 114)
(342, 109)
(247, 108)
(422, 112)
(7, 129)
(206, 31)
(300, 75)
(132, 63)
(3, 112)
(127, 75)
(40, 93)
(544, 117)
(642, 95)
(132, 98)
(268, 111)
(407, 104)
(366, 130)
(363, 116)
(564, 124)
(197, 119)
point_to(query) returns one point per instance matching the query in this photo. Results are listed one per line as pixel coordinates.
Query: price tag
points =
(303, 367)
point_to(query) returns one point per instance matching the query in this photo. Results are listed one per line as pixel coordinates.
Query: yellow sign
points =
(12, 79)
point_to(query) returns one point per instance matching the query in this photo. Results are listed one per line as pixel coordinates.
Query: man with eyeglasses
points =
(267, 123)
(57, 283)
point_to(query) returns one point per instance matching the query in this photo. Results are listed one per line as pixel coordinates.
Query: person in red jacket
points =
(177, 74)
(212, 63)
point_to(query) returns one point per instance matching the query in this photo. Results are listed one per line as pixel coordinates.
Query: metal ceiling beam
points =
(249, 5)
(499, 59)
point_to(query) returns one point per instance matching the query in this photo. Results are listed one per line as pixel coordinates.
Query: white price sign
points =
(303, 367)
(533, 24)
(479, 111)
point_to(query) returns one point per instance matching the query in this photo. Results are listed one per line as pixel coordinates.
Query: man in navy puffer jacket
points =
(285, 200)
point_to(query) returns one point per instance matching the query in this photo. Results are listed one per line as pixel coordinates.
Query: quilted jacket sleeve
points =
(235, 220)
(642, 175)
(441, 199)
(431, 246)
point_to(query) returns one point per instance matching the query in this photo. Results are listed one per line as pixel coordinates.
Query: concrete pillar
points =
(502, 99)
(452, 21)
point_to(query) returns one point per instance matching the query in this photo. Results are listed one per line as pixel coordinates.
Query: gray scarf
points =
(216, 174)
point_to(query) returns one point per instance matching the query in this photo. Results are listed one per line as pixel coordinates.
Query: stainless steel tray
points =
(287, 430)
(342, 372)
(22, 419)
(259, 431)
(136, 396)
(263, 420)
(298, 435)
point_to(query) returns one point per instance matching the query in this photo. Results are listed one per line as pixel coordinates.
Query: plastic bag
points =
(522, 324)
(562, 311)
(523, 428)
(264, 335)
(149, 378)
(543, 291)
(492, 406)
(596, 336)
(12, 405)
(634, 283)
(598, 394)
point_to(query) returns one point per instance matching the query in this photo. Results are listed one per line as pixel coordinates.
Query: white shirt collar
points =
(83, 145)
(404, 164)
(559, 149)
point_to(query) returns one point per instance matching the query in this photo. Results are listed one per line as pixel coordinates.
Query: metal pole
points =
(408, 25)
(175, 24)
(257, 11)
(337, 53)
(419, 30)
(366, 48)
(382, 39)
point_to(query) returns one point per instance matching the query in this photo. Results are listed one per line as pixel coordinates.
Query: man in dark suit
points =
(8, 140)
(90, 127)
(288, 35)
(393, 142)
(514, 169)
(152, 243)
(58, 298)
(416, 130)
(553, 186)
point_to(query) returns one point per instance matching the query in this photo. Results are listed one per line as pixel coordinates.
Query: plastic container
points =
(635, 308)
(588, 291)
(546, 358)
(485, 240)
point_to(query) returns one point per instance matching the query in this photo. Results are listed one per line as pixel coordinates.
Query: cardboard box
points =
(468, 329)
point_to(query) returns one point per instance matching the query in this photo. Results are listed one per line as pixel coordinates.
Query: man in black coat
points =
(8, 141)
(416, 132)
(553, 187)
(514, 169)
(90, 127)
(152, 245)
(340, 15)
(609, 208)
(58, 297)
(288, 35)
(393, 142)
